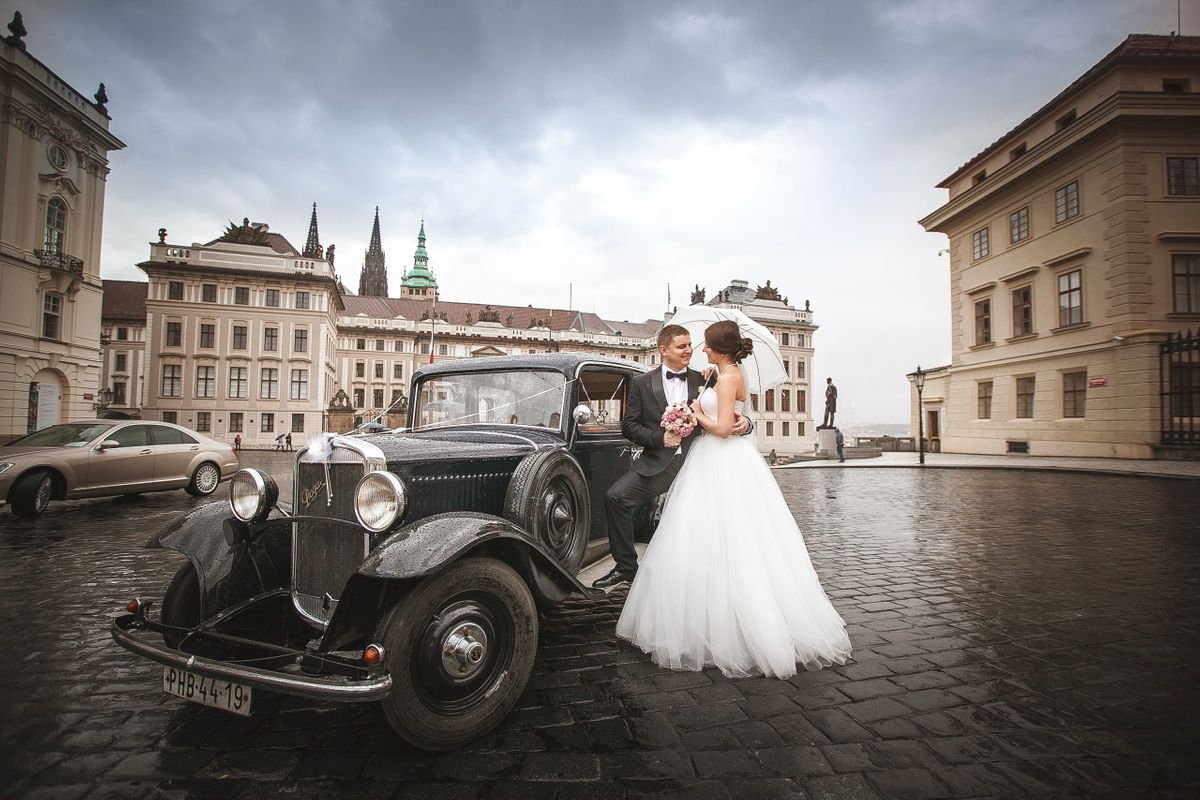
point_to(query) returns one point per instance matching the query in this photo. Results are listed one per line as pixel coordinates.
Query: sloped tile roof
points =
(456, 313)
(124, 300)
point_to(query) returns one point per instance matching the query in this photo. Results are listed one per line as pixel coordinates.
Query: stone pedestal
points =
(827, 442)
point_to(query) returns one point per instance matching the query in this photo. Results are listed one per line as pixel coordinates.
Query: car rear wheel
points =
(459, 649)
(31, 494)
(548, 497)
(205, 480)
(181, 603)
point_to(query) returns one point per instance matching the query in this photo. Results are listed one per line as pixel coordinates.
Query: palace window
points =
(983, 321)
(171, 417)
(239, 337)
(360, 369)
(1018, 225)
(379, 344)
(360, 344)
(51, 316)
(270, 339)
(120, 363)
(56, 225)
(208, 334)
(801, 403)
(118, 393)
(241, 295)
(378, 370)
(272, 298)
(204, 421)
(1183, 176)
(359, 398)
(1066, 202)
(397, 372)
(206, 381)
(267, 424)
(979, 244)
(237, 382)
(123, 333)
(172, 380)
(399, 346)
(300, 340)
(299, 386)
(208, 292)
(754, 402)
(1074, 391)
(1022, 311)
(1070, 298)
(800, 368)
(443, 350)
(268, 384)
(235, 422)
(175, 290)
(985, 399)
(787, 367)
(377, 396)
(1025, 388)
(785, 400)
(786, 427)
(784, 338)
(770, 428)
(302, 300)
(1185, 278)
(174, 334)
(769, 399)
(297, 423)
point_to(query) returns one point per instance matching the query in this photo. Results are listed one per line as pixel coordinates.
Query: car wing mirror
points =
(582, 414)
(109, 443)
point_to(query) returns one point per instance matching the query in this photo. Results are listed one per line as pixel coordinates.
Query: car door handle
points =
(146, 452)
(195, 447)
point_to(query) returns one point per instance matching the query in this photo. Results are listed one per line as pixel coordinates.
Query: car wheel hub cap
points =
(43, 494)
(207, 479)
(560, 519)
(464, 649)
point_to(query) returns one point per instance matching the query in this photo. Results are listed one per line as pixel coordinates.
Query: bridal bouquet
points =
(678, 418)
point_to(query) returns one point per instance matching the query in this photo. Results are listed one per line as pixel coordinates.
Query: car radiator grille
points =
(324, 556)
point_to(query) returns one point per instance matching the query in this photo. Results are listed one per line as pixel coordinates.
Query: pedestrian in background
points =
(288, 439)
(840, 441)
(279, 442)
(237, 442)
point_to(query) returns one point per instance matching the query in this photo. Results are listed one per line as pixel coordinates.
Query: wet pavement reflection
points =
(1015, 633)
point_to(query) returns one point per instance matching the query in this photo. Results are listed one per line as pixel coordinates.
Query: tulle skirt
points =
(726, 580)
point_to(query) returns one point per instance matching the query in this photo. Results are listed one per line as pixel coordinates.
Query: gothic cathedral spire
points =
(312, 247)
(373, 280)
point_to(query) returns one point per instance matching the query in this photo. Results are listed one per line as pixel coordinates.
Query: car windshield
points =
(495, 398)
(77, 434)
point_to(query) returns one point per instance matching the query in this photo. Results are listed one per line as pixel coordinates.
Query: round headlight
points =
(379, 501)
(252, 494)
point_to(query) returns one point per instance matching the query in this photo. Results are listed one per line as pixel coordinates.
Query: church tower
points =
(373, 280)
(418, 282)
(312, 247)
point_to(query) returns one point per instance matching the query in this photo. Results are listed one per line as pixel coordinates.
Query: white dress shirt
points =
(676, 390)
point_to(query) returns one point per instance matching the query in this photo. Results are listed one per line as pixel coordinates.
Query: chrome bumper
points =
(126, 632)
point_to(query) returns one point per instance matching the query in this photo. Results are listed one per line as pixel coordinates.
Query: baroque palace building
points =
(54, 146)
(1074, 244)
(245, 336)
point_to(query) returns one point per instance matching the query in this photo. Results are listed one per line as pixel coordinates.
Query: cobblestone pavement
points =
(1015, 634)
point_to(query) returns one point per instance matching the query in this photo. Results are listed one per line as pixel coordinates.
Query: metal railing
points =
(61, 261)
(1179, 389)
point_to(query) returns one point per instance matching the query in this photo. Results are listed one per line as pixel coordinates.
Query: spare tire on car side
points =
(548, 497)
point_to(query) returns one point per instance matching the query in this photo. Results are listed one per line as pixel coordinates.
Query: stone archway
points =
(47, 395)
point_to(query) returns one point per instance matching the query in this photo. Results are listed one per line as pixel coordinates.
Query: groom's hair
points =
(668, 334)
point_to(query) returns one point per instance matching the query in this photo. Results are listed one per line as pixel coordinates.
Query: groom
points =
(662, 452)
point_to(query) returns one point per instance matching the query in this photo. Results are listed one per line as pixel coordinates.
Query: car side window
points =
(131, 436)
(605, 394)
(167, 435)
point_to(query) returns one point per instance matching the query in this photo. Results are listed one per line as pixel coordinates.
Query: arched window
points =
(56, 225)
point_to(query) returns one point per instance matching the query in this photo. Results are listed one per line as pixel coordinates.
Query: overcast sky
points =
(616, 147)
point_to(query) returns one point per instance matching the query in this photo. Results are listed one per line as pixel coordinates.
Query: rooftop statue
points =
(245, 233)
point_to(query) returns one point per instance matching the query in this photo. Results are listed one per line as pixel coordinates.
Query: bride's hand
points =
(696, 407)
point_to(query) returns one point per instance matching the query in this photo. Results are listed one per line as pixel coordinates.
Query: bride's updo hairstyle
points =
(725, 337)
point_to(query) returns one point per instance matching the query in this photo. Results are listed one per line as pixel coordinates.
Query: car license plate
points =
(215, 692)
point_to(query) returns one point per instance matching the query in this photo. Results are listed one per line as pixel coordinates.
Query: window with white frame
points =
(1183, 176)
(1018, 225)
(206, 381)
(979, 244)
(1074, 389)
(299, 385)
(268, 383)
(1070, 298)
(51, 315)
(237, 382)
(1022, 311)
(1066, 202)
(983, 321)
(172, 380)
(1185, 281)
(56, 225)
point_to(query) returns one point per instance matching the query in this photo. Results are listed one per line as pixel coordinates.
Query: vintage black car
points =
(411, 566)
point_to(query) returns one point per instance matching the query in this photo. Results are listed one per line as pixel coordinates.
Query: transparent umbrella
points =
(761, 370)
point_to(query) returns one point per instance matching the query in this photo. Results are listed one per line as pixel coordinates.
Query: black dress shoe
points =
(615, 577)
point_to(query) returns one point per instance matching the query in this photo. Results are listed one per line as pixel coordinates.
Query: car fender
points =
(67, 477)
(234, 560)
(430, 544)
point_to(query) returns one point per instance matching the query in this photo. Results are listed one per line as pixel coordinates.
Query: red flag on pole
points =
(432, 325)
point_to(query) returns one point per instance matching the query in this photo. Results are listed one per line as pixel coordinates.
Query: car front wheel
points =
(204, 480)
(31, 494)
(460, 649)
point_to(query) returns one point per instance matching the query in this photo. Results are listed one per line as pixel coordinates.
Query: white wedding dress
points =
(726, 580)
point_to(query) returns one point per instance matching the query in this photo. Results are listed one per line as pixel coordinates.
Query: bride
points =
(726, 580)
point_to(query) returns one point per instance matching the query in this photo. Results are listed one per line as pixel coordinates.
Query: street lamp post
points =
(103, 401)
(919, 380)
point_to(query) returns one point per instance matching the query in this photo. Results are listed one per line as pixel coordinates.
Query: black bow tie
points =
(679, 376)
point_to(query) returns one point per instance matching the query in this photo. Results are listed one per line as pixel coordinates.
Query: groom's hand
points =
(671, 439)
(740, 424)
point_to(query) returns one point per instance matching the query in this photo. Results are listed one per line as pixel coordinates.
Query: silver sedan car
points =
(101, 457)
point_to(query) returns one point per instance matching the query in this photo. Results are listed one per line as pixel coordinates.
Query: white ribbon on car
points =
(321, 448)
(475, 415)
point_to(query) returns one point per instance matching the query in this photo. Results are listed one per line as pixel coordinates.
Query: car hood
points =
(21, 452)
(456, 444)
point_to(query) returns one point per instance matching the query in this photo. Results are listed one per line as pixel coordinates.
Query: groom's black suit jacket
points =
(643, 413)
